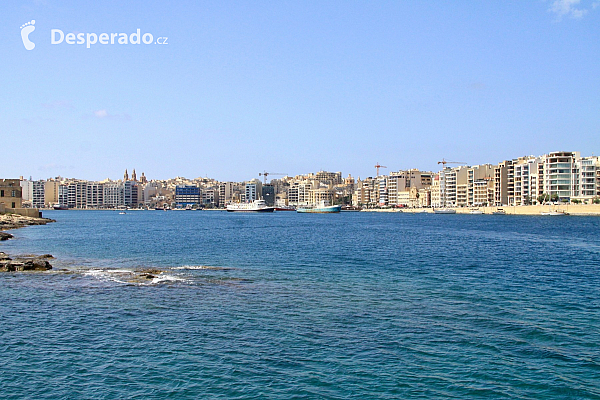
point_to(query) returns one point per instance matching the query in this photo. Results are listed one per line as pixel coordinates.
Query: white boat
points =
(555, 213)
(475, 211)
(444, 211)
(255, 206)
(499, 211)
(322, 207)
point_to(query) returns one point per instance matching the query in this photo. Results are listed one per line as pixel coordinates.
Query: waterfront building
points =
(76, 194)
(51, 192)
(210, 197)
(392, 187)
(226, 190)
(329, 178)
(268, 195)
(10, 193)
(366, 192)
(253, 190)
(436, 196)
(38, 194)
(130, 194)
(589, 178)
(187, 196)
(527, 180)
(26, 190)
(95, 195)
(480, 180)
(113, 194)
(299, 192)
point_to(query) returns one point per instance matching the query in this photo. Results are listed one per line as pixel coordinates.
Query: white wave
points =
(127, 276)
(197, 267)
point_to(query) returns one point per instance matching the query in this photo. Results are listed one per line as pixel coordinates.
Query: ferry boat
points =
(255, 206)
(322, 207)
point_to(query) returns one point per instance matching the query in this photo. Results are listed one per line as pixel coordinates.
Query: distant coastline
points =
(571, 209)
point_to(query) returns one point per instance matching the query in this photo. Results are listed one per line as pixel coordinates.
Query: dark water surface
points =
(346, 306)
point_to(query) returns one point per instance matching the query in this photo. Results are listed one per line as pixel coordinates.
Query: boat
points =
(122, 213)
(60, 207)
(554, 213)
(349, 208)
(255, 206)
(475, 211)
(499, 211)
(285, 208)
(444, 211)
(322, 208)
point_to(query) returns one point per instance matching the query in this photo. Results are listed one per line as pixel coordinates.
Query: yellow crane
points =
(265, 174)
(444, 162)
(379, 166)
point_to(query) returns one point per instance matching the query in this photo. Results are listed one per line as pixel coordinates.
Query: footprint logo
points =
(26, 29)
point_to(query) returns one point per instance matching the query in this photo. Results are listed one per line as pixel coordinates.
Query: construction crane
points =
(444, 162)
(265, 174)
(379, 166)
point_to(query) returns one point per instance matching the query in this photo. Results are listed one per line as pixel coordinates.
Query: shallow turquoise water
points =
(348, 306)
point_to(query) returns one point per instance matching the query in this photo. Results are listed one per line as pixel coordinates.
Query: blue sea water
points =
(286, 305)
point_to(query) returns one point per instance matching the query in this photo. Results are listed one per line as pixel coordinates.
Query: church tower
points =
(126, 176)
(133, 176)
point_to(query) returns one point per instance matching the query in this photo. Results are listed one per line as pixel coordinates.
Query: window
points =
(1, 193)
(13, 194)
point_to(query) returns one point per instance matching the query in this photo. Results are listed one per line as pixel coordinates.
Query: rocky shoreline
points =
(23, 263)
(14, 221)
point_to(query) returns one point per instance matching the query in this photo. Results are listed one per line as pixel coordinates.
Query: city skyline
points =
(291, 87)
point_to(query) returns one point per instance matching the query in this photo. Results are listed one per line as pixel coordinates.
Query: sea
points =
(282, 305)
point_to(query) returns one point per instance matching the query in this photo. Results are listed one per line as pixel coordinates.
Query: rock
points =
(41, 265)
(4, 256)
(8, 265)
(5, 236)
(44, 256)
(152, 271)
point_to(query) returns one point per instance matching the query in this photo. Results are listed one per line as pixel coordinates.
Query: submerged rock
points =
(5, 236)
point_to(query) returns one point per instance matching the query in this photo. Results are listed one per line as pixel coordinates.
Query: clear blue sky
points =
(295, 86)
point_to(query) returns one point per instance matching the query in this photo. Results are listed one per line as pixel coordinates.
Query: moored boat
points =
(499, 211)
(555, 213)
(322, 208)
(255, 206)
(285, 208)
(60, 207)
(475, 211)
(444, 211)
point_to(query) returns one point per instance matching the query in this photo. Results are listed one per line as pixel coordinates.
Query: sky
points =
(293, 87)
